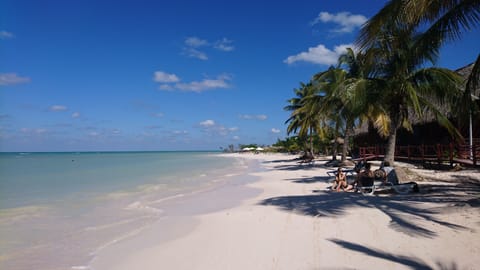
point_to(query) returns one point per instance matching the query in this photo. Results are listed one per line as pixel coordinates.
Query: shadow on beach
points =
(403, 210)
(412, 262)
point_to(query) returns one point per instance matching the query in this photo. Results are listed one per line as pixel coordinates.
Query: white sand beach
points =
(292, 221)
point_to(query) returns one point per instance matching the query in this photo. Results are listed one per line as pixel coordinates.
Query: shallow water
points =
(57, 210)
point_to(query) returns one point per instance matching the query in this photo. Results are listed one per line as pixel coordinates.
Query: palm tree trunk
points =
(334, 150)
(346, 139)
(392, 140)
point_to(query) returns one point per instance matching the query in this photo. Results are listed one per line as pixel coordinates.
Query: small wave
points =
(139, 206)
(81, 267)
(169, 198)
(111, 225)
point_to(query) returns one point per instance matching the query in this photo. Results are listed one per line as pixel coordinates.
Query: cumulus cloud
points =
(57, 108)
(346, 21)
(221, 81)
(163, 77)
(319, 55)
(6, 35)
(207, 123)
(75, 115)
(192, 47)
(12, 78)
(274, 130)
(253, 117)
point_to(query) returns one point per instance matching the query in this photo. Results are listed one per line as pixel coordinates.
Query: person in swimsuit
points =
(340, 180)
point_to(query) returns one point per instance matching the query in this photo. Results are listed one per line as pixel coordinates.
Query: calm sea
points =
(58, 209)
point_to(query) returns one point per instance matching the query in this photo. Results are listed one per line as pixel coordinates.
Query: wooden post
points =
(439, 153)
(474, 151)
(451, 154)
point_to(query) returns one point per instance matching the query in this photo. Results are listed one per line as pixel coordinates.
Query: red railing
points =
(427, 153)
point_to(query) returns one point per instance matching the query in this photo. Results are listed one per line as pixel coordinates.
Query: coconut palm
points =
(346, 94)
(444, 21)
(303, 120)
(403, 86)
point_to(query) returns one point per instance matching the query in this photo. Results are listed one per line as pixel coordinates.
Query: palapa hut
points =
(425, 128)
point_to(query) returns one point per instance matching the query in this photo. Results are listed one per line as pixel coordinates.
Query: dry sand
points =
(294, 222)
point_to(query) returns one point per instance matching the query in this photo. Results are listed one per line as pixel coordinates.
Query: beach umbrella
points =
(259, 149)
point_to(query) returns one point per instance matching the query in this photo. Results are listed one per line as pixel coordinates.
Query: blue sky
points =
(89, 75)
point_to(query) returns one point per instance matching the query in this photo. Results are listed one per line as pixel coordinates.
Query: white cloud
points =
(236, 138)
(206, 84)
(163, 77)
(207, 123)
(274, 130)
(192, 45)
(319, 55)
(75, 115)
(194, 53)
(221, 81)
(12, 78)
(166, 87)
(195, 42)
(346, 21)
(6, 35)
(57, 108)
(224, 45)
(213, 129)
(254, 117)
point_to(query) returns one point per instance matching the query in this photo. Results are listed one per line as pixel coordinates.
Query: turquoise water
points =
(38, 178)
(57, 210)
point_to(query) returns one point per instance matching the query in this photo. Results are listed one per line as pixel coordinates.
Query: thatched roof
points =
(428, 117)
(465, 73)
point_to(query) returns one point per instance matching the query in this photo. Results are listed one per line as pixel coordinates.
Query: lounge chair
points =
(366, 185)
(369, 187)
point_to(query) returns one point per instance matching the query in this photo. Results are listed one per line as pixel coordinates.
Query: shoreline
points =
(181, 212)
(295, 223)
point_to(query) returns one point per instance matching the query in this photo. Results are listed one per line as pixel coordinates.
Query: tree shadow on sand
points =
(412, 262)
(404, 211)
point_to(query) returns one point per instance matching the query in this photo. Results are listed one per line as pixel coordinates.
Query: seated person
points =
(365, 177)
(340, 180)
(390, 176)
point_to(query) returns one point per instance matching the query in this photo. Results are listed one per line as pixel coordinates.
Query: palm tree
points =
(445, 21)
(303, 120)
(403, 86)
(345, 94)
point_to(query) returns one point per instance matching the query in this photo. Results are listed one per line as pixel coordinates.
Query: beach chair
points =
(366, 185)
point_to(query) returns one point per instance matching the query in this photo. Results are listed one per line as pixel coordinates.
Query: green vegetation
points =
(390, 79)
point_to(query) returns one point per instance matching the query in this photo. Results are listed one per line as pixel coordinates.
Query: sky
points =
(90, 75)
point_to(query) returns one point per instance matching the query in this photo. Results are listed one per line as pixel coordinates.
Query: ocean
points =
(58, 210)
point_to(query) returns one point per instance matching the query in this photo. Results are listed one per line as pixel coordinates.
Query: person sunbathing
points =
(340, 180)
(363, 176)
